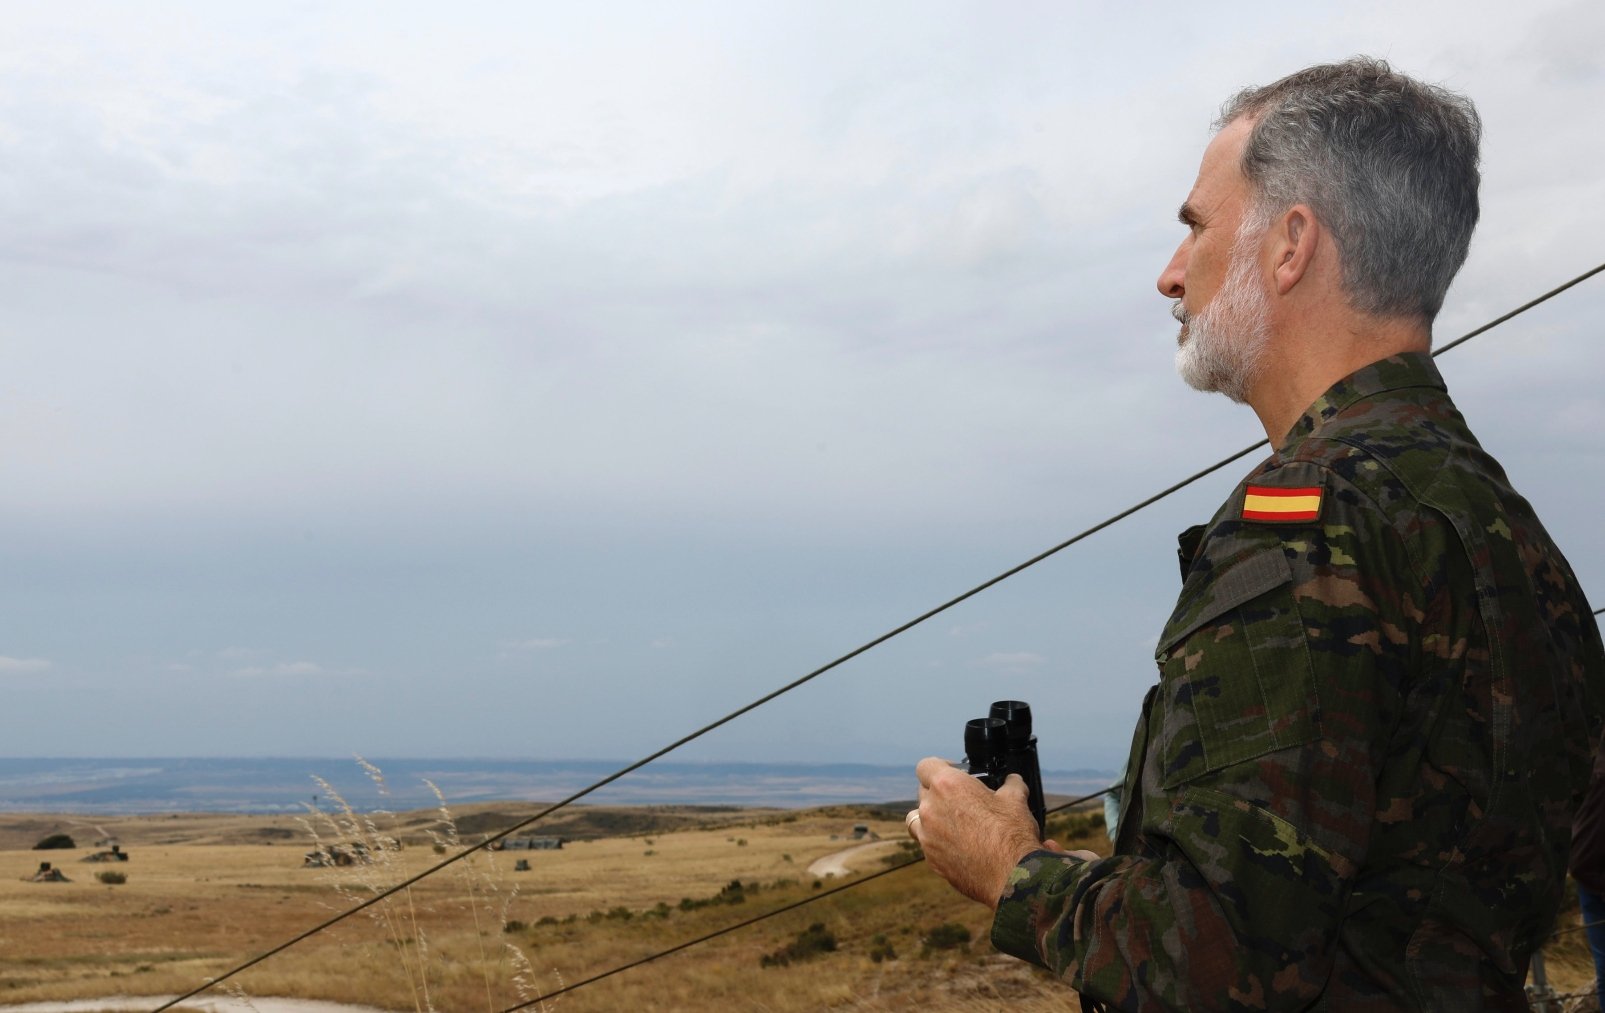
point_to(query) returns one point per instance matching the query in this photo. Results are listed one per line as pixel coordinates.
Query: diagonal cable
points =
(726, 930)
(1523, 308)
(821, 670)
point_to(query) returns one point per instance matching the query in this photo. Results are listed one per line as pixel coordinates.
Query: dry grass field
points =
(204, 892)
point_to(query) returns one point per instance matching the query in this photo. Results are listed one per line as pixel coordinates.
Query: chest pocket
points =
(1235, 679)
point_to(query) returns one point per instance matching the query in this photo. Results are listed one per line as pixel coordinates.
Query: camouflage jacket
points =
(1352, 787)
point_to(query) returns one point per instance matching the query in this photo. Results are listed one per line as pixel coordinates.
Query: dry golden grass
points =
(197, 901)
(195, 904)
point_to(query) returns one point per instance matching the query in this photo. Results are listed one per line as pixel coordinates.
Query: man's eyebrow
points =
(1187, 215)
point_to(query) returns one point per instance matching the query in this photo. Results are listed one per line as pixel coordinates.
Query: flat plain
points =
(203, 893)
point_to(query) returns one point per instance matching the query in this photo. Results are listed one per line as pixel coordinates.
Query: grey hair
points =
(1388, 163)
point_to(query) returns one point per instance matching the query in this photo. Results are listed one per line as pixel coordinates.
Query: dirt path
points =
(836, 864)
(221, 1004)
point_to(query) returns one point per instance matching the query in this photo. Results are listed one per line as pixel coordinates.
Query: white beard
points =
(1224, 343)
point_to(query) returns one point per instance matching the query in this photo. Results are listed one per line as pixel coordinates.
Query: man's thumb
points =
(1014, 785)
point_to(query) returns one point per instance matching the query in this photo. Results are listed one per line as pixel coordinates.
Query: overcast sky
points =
(523, 380)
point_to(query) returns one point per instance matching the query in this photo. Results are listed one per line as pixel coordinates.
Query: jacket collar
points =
(1398, 372)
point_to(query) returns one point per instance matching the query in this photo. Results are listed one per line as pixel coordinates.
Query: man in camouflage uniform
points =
(1378, 695)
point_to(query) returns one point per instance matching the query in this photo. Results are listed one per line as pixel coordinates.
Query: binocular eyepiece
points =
(1002, 744)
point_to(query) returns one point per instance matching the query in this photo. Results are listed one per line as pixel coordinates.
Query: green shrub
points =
(733, 892)
(111, 878)
(880, 949)
(907, 851)
(946, 936)
(55, 842)
(513, 925)
(810, 943)
(1068, 826)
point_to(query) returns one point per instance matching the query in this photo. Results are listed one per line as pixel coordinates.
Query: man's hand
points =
(973, 837)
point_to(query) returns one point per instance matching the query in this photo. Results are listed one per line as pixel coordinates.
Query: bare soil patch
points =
(262, 1004)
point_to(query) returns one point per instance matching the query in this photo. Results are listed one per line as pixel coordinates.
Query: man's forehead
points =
(1220, 173)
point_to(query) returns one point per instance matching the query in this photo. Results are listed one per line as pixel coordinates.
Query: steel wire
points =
(821, 670)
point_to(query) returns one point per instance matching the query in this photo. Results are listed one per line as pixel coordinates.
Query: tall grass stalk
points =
(374, 862)
(239, 997)
(476, 873)
(376, 865)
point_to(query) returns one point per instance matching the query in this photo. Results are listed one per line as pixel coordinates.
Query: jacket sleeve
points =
(1282, 673)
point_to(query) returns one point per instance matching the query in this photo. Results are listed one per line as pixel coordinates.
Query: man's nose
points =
(1172, 280)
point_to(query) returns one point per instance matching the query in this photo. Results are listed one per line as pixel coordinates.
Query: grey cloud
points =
(23, 665)
(288, 669)
(741, 329)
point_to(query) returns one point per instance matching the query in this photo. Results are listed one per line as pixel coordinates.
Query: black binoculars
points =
(1002, 744)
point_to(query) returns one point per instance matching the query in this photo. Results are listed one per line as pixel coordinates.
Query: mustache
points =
(1177, 311)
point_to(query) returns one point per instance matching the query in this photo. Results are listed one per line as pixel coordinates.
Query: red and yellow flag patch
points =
(1268, 503)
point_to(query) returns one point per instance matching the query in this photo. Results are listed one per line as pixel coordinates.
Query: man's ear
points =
(1295, 236)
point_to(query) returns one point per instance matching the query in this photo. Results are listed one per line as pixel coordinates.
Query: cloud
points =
(643, 354)
(534, 644)
(23, 664)
(519, 648)
(969, 629)
(1012, 659)
(286, 669)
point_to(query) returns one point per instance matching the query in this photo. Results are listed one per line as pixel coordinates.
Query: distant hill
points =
(283, 785)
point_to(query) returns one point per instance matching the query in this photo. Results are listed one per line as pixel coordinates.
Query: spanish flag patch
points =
(1286, 506)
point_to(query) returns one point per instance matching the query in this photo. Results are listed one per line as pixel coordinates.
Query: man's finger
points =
(1014, 784)
(929, 768)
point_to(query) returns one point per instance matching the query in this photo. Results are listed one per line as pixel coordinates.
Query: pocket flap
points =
(1210, 593)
